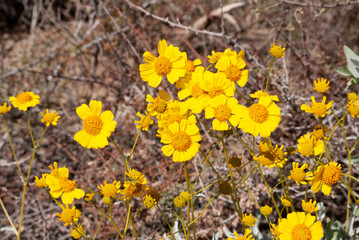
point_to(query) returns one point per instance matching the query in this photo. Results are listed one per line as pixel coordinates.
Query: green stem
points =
(8, 216)
(134, 145)
(98, 228)
(123, 155)
(270, 67)
(164, 216)
(28, 123)
(190, 203)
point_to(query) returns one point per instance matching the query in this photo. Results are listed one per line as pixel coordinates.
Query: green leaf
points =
(351, 83)
(334, 231)
(350, 55)
(215, 235)
(354, 160)
(343, 70)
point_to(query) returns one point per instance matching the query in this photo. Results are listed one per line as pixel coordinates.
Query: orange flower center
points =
(24, 97)
(49, 117)
(67, 215)
(222, 113)
(189, 66)
(163, 66)
(181, 141)
(161, 106)
(308, 207)
(233, 73)
(258, 113)
(109, 190)
(319, 109)
(331, 174)
(249, 220)
(301, 232)
(196, 91)
(67, 185)
(146, 121)
(93, 125)
(216, 91)
(297, 174)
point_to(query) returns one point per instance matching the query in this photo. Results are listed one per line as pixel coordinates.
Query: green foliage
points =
(352, 68)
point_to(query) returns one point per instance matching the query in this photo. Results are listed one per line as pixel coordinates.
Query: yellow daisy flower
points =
(89, 196)
(247, 235)
(279, 156)
(61, 185)
(179, 202)
(222, 109)
(275, 231)
(4, 108)
(353, 108)
(69, 215)
(186, 196)
(149, 201)
(277, 51)
(214, 84)
(193, 90)
(261, 118)
(249, 220)
(170, 62)
(299, 225)
(182, 141)
(144, 122)
(233, 68)
(97, 126)
(309, 206)
(352, 96)
(309, 145)
(214, 57)
(157, 106)
(50, 118)
(77, 232)
(135, 186)
(318, 132)
(25, 100)
(298, 174)
(41, 182)
(286, 201)
(320, 109)
(110, 189)
(325, 177)
(265, 159)
(266, 210)
(260, 94)
(321, 85)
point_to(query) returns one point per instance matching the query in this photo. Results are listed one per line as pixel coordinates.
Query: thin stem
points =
(270, 67)
(123, 155)
(164, 216)
(241, 95)
(28, 123)
(128, 217)
(240, 138)
(134, 145)
(190, 203)
(182, 223)
(8, 216)
(98, 228)
(249, 191)
(206, 126)
(112, 222)
(203, 210)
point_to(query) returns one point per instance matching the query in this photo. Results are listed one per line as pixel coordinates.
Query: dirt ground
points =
(69, 52)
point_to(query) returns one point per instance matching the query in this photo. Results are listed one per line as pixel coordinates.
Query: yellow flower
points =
(144, 122)
(157, 106)
(89, 196)
(54, 170)
(279, 156)
(4, 108)
(318, 132)
(214, 85)
(182, 141)
(249, 220)
(321, 85)
(149, 201)
(69, 215)
(260, 118)
(186, 196)
(352, 96)
(233, 68)
(300, 226)
(353, 108)
(298, 174)
(170, 62)
(77, 232)
(260, 94)
(266, 210)
(97, 126)
(325, 177)
(215, 57)
(266, 159)
(50, 118)
(179, 202)
(286, 201)
(309, 145)
(61, 185)
(309, 206)
(41, 183)
(277, 51)
(222, 109)
(275, 231)
(247, 235)
(135, 186)
(25, 100)
(320, 109)
(110, 189)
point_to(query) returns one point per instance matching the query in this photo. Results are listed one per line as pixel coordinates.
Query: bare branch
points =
(321, 5)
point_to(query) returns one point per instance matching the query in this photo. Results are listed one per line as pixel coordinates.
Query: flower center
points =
(161, 106)
(242, 238)
(233, 73)
(196, 91)
(216, 91)
(319, 109)
(163, 66)
(146, 121)
(309, 207)
(67, 215)
(24, 97)
(49, 117)
(298, 174)
(258, 113)
(249, 220)
(331, 175)
(181, 141)
(109, 190)
(222, 113)
(189, 66)
(67, 185)
(301, 232)
(266, 159)
(93, 125)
